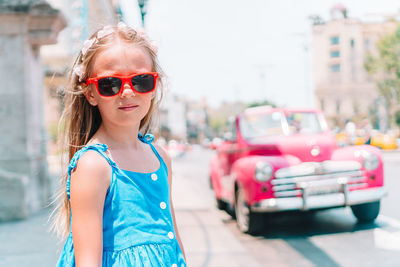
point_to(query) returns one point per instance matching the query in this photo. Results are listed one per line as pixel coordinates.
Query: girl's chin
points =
(127, 122)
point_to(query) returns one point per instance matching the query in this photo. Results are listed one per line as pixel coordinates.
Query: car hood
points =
(310, 147)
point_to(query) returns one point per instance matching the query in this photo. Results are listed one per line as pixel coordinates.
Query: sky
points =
(231, 50)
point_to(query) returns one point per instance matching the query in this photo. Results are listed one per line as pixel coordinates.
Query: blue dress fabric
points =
(138, 228)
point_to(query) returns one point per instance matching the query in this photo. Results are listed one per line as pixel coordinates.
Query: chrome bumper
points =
(309, 202)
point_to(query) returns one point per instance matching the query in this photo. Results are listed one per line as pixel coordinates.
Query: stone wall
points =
(24, 181)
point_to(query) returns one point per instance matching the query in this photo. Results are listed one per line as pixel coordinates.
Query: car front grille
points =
(323, 176)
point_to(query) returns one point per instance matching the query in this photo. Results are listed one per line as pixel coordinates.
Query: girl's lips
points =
(128, 108)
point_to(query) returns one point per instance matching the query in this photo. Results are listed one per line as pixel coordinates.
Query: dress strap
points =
(100, 148)
(147, 138)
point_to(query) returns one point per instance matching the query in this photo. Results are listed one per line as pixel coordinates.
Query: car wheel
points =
(247, 221)
(221, 205)
(366, 212)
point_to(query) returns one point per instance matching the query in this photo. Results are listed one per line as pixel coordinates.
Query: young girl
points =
(116, 207)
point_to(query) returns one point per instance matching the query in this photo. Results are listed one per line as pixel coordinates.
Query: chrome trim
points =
(345, 198)
(358, 184)
(280, 181)
(284, 187)
(291, 193)
(316, 168)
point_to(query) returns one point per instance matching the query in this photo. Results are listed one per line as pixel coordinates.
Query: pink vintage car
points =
(277, 159)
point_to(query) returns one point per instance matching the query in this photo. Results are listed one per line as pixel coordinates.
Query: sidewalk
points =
(207, 242)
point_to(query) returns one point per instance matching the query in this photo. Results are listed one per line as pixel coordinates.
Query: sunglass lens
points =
(109, 86)
(143, 83)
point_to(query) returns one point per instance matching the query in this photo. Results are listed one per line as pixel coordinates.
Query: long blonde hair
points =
(80, 120)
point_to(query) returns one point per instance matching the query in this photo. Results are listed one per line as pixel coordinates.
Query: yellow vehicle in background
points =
(343, 140)
(380, 140)
(384, 141)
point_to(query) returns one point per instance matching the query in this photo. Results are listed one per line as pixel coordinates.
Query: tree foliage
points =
(261, 103)
(384, 67)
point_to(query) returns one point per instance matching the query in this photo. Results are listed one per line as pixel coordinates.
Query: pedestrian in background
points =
(350, 129)
(115, 207)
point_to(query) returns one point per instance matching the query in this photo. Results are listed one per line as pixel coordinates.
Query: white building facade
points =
(343, 89)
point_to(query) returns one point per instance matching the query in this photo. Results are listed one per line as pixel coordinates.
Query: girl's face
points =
(128, 107)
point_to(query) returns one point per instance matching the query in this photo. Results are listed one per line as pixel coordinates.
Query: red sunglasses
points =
(141, 83)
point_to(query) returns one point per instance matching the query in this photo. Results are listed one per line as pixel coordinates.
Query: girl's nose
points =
(127, 90)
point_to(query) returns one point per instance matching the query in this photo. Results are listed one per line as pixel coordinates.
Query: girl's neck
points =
(118, 137)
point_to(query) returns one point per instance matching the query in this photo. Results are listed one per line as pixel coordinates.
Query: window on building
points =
(338, 104)
(335, 68)
(322, 104)
(352, 43)
(356, 107)
(334, 40)
(335, 53)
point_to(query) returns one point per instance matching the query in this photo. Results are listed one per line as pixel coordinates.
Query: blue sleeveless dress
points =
(138, 228)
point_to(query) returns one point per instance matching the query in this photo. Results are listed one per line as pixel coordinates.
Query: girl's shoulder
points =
(92, 160)
(91, 156)
(90, 169)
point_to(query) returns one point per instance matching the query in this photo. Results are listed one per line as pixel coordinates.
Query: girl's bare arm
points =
(89, 183)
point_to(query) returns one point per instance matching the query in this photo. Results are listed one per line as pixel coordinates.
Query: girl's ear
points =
(89, 94)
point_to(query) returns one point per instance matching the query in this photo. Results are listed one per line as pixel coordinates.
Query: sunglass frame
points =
(124, 79)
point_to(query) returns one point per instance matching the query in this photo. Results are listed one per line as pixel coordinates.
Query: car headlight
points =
(263, 171)
(369, 160)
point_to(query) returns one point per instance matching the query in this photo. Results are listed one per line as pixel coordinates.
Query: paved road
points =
(326, 238)
(211, 238)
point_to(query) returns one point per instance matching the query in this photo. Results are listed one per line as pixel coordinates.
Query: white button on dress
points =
(171, 235)
(163, 205)
(174, 265)
(154, 177)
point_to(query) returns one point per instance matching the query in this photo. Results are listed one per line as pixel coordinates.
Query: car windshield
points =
(276, 123)
(304, 122)
(258, 125)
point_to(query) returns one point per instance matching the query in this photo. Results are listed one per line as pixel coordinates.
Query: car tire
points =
(221, 205)
(246, 220)
(366, 212)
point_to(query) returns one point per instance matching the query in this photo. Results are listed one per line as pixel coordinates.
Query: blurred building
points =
(197, 120)
(172, 119)
(343, 88)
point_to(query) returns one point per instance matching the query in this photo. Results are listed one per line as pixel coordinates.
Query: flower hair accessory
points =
(122, 25)
(87, 44)
(78, 71)
(100, 34)
(105, 31)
